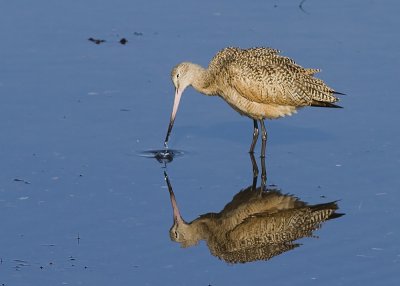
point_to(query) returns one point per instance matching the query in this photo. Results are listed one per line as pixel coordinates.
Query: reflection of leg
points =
(263, 137)
(263, 174)
(255, 171)
(255, 137)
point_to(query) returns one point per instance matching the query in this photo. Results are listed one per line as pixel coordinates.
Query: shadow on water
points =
(258, 224)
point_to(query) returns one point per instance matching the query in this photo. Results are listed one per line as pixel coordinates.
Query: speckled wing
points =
(249, 250)
(262, 75)
(248, 202)
(280, 227)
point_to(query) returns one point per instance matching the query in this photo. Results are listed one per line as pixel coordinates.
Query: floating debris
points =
(22, 181)
(123, 41)
(96, 41)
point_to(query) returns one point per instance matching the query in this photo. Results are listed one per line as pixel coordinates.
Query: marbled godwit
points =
(255, 225)
(257, 82)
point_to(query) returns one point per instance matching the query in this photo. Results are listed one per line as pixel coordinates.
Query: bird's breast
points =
(256, 110)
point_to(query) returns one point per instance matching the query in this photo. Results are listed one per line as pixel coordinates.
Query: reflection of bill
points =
(257, 224)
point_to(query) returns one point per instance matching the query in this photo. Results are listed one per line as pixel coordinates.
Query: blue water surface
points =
(78, 206)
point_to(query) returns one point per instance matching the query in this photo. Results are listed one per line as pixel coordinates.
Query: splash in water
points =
(163, 156)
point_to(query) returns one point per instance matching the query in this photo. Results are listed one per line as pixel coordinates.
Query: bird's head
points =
(181, 231)
(181, 77)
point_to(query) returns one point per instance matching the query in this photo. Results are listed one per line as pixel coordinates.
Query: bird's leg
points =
(264, 138)
(255, 137)
(263, 174)
(255, 171)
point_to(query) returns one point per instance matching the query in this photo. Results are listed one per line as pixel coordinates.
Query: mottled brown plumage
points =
(258, 83)
(255, 225)
(263, 77)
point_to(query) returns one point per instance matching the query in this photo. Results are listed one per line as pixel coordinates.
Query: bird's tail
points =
(328, 210)
(324, 104)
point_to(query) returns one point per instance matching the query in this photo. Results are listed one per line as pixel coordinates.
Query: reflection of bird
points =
(255, 225)
(257, 82)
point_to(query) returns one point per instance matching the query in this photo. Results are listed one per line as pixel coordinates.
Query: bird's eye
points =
(177, 75)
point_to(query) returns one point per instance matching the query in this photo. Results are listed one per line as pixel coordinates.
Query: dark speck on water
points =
(22, 181)
(123, 41)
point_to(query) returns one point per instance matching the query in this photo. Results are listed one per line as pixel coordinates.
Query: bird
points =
(257, 82)
(257, 224)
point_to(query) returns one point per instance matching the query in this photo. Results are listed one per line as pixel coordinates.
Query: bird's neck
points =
(192, 232)
(200, 229)
(203, 80)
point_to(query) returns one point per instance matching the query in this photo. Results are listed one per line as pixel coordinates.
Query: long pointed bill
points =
(177, 214)
(177, 99)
